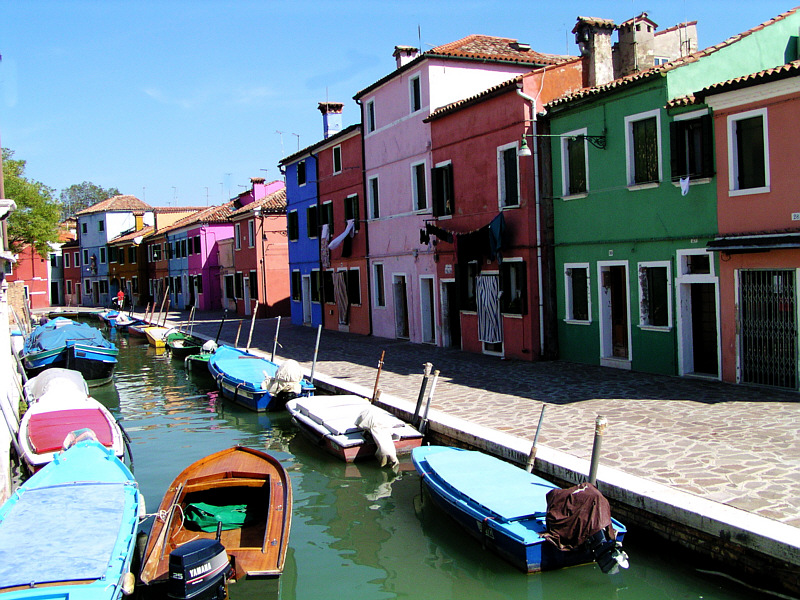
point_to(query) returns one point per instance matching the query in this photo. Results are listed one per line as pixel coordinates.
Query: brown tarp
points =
(574, 514)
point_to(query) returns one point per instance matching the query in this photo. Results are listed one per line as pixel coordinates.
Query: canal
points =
(358, 531)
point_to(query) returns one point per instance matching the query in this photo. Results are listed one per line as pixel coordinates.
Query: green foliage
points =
(83, 195)
(36, 219)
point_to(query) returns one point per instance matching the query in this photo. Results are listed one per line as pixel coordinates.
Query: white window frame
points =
(419, 169)
(336, 159)
(733, 157)
(237, 237)
(501, 180)
(370, 116)
(569, 317)
(378, 281)
(629, 158)
(641, 267)
(77, 259)
(251, 233)
(86, 257)
(373, 197)
(66, 260)
(565, 166)
(414, 81)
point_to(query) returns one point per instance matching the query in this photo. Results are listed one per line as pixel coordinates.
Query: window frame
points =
(326, 214)
(66, 260)
(354, 287)
(503, 171)
(251, 233)
(292, 226)
(443, 201)
(645, 303)
(302, 175)
(312, 221)
(506, 304)
(680, 147)
(379, 287)
(733, 152)
(336, 159)
(373, 197)
(369, 108)
(351, 210)
(569, 293)
(566, 163)
(415, 93)
(419, 187)
(630, 149)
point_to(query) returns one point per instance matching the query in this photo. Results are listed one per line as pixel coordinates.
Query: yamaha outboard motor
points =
(199, 570)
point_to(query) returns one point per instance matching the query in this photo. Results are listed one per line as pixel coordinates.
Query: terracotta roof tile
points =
(130, 236)
(274, 203)
(594, 22)
(791, 69)
(486, 47)
(117, 204)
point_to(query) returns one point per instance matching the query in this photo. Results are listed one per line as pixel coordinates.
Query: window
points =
(135, 284)
(443, 200)
(253, 280)
(229, 293)
(54, 260)
(654, 294)
(576, 279)
(84, 227)
(184, 251)
(370, 116)
(354, 286)
(337, 159)
(296, 286)
(748, 152)
(415, 93)
(251, 233)
(315, 285)
(468, 275)
(77, 257)
(373, 198)
(508, 175)
(86, 257)
(69, 287)
(66, 260)
(326, 216)
(8, 267)
(132, 255)
(101, 225)
(113, 251)
(197, 244)
(301, 173)
(418, 186)
(121, 255)
(156, 251)
(512, 282)
(103, 286)
(238, 288)
(87, 286)
(660, 60)
(237, 236)
(103, 255)
(312, 225)
(643, 148)
(379, 293)
(292, 227)
(574, 158)
(691, 147)
(351, 210)
(327, 287)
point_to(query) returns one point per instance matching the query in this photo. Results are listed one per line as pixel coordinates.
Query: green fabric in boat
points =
(205, 517)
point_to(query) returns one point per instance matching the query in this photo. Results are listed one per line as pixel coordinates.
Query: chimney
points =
(593, 37)
(404, 54)
(331, 118)
(636, 45)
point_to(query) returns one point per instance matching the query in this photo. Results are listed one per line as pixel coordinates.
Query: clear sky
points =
(181, 102)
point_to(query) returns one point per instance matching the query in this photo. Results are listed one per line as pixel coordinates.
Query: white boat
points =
(58, 404)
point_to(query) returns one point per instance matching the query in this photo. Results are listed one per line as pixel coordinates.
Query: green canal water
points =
(359, 532)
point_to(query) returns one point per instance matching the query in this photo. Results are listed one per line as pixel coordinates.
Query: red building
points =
(71, 258)
(493, 255)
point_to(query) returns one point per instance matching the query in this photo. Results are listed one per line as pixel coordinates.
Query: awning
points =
(755, 243)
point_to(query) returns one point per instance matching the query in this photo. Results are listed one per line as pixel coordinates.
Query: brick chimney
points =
(331, 118)
(593, 37)
(636, 45)
(404, 54)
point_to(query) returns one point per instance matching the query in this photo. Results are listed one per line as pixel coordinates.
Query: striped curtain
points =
(490, 327)
(340, 293)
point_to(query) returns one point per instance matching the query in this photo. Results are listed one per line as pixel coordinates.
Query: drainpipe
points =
(537, 196)
(367, 261)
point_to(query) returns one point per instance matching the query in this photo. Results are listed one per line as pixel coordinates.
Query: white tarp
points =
(380, 423)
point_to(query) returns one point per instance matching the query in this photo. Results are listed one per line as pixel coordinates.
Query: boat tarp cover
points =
(205, 517)
(573, 514)
(57, 380)
(51, 338)
(60, 533)
(507, 491)
(47, 430)
(242, 367)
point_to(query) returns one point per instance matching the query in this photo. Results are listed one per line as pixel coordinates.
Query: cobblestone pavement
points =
(733, 444)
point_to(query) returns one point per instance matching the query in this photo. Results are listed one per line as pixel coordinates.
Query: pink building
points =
(756, 119)
(398, 164)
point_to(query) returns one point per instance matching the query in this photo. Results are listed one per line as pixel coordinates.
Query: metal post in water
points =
(375, 390)
(275, 341)
(532, 455)
(238, 331)
(423, 425)
(425, 376)
(600, 425)
(221, 323)
(252, 324)
(316, 350)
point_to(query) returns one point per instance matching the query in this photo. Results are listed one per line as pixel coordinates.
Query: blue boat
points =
(65, 343)
(245, 379)
(70, 530)
(506, 509)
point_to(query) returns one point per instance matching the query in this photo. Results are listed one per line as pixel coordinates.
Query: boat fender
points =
(608, 554)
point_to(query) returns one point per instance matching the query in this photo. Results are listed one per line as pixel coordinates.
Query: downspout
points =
(537, 196)
(367, 262)
(319, 248)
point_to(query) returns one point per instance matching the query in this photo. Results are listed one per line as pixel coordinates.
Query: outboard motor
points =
(199, 570)
(607, 553)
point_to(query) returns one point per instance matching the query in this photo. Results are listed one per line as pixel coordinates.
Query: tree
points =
(83, 195)
(36, 220)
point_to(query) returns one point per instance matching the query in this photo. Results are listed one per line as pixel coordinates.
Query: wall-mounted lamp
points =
(598, 141)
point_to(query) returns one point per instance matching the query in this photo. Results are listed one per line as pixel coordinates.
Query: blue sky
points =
(180, 102)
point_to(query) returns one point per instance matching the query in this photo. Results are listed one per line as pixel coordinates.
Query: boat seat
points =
(46, 431)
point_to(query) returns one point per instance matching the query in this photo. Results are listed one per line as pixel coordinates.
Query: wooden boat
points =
(109, 317)
(339, 425)
(244, 378)
(70, 530)
(123, 322)
(64, 343)
(59, 403)
(506, 509)
(181, 344)
(63, 312)
(155, 335)
(250, 483)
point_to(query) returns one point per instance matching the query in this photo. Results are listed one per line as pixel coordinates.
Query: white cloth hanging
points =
(340, 238)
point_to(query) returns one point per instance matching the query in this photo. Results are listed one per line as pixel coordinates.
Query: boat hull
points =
(85, 493)
(516, 538)
(236, 474)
